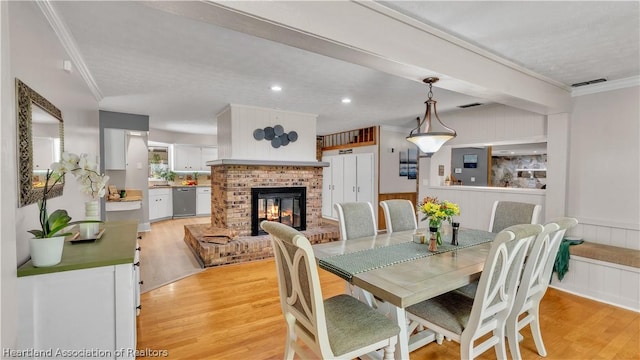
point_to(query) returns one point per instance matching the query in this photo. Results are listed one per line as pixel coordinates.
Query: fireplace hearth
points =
(286, 205)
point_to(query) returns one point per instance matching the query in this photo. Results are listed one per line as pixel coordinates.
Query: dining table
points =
(399, 272)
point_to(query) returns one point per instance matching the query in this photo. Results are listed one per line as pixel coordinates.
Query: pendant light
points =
(430, 141)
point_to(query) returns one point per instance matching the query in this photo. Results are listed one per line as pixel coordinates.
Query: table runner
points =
(347, 265)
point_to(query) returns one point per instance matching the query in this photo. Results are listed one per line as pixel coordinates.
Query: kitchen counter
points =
(176, 186)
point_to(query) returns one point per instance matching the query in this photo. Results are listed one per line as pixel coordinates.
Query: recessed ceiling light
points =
(276, 88)
(346, 100)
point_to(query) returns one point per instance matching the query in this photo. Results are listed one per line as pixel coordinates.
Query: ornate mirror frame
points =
(25, 99)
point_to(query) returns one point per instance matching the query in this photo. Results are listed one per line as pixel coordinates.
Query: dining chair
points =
(399, 215)
(356, 220)
(508, 213)
(503, 215)
(338, 327)
(534, 283)
(464, 319)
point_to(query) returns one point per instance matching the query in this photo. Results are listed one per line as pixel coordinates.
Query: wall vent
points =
(469, 105)
(589, 82)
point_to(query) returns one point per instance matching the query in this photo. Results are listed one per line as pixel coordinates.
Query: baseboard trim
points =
(594, 299)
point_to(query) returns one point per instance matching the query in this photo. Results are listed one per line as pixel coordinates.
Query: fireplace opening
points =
(287, 205)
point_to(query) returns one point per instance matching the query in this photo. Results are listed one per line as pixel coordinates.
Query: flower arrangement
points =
(437, 211)
(91, 182)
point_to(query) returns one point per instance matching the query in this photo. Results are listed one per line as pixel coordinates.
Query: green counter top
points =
(116, 246)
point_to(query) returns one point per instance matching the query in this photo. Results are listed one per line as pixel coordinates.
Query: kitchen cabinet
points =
(348, 178)
(88, 301)
(186, 158)
(203, 201)
(115, 149)
(193, 158)
(160, 204)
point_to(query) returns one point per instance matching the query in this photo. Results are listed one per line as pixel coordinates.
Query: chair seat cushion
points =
(450, 311)
(352, 324)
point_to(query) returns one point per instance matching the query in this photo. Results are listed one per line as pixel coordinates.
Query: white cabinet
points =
(86, 308)
(332, 185)
(160, 204)
(349, 178)
(115, 149)
(193, 158)
(186, 158)
(358, 178)
(203, 201)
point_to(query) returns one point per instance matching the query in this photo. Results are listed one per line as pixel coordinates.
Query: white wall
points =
(34, 55)
(8, 198)
(36, 59)
(390, 181)
(604, 163)
(240, 144)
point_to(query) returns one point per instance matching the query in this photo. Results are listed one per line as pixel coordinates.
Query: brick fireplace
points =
(231, 186)
(232, 182)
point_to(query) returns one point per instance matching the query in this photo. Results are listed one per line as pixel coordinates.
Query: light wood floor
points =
(165, 257)
(233, 312)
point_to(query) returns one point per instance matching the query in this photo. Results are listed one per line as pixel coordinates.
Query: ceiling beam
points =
(371, 35)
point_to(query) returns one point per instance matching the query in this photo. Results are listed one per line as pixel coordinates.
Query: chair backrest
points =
(299, 283)
(499, 280)
(508, 213)
(399, 215)
(356, 220)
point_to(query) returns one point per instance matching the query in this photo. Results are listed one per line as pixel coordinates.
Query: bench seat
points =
(608, 253)
(605, 273)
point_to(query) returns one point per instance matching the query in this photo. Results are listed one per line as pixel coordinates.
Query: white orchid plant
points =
(87, 174)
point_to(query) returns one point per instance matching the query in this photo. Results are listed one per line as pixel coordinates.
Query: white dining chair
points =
(356, 220)
(340, 327)
(464, 319)
(534, 283)
(508, 213)
(399, 215)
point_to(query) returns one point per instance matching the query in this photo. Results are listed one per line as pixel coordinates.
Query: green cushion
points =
(511, 213)
(402, 214)
(358, 220)
(450, 311)
(352, 324)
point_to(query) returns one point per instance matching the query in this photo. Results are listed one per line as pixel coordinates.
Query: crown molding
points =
(69, 44)
(606, 86)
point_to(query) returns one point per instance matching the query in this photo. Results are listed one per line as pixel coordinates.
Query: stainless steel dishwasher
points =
(184, 201)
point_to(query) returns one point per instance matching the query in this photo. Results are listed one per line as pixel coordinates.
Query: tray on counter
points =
(76, 238)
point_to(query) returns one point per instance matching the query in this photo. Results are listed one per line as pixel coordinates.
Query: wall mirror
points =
(40, 143)
(516, 165)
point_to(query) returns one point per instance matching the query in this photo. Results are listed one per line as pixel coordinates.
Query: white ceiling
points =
(182, 72)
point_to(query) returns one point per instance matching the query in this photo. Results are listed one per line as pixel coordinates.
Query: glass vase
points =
(91, 212)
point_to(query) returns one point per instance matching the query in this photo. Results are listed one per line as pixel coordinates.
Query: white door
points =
(364, 188)
(327, 204)
(337, 183)
(350, 178)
